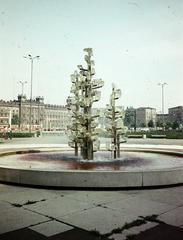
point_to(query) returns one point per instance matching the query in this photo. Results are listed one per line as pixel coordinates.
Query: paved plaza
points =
(75, 214)
(55, 139)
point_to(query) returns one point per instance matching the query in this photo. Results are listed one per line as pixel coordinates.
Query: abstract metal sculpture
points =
(83, 125)
(115, 127)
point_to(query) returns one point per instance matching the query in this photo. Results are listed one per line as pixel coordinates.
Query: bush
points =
(19, 134)
(170, 134)
(135, 136)
(158, 136)
(175, 135)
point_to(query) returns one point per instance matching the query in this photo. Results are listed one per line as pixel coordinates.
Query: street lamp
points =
(31, 58)
(22, 83)
(20, 97)
(162, 95)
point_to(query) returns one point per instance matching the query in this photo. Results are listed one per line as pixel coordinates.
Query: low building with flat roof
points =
(144, 115)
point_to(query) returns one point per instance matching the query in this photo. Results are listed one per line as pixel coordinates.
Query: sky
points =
(136, 45)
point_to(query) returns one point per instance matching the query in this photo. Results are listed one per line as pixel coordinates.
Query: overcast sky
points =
(136, 45)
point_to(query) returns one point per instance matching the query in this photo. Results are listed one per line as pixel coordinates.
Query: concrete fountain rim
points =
(94, 179)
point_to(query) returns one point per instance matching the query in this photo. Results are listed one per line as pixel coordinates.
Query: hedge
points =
(158, 134)
(135, 136)
(19, 134)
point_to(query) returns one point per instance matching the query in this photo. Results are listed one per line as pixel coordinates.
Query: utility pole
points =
(31, 58)
(20, 98)
(162, 105)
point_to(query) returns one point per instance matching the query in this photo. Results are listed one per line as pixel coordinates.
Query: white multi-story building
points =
(22, 113)
(8, 110)
(56, 117)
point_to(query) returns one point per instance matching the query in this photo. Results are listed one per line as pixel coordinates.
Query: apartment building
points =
(144, 115)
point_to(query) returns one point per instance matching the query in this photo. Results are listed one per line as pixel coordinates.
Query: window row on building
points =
(22, 113)
(147, 117)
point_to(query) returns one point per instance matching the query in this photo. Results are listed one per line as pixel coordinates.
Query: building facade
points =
(144, 115)
(23, 114)
(162, 117)
(8, 111)
(56, 117)
(175, 114)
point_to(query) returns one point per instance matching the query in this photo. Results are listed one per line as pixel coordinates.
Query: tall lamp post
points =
(20, 97)
(31, 58)
(162, 96)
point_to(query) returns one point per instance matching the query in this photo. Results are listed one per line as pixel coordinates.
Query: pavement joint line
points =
(135, 223)
(174, 207)
(169, 210)
(53, 218)
(32, 225)
(94, 202)
(10, 203)
(66, 223)
(101, 205)
(29, 202)
(41, 214)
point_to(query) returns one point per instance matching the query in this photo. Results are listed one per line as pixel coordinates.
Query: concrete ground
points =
(35, 213)
(63, 139)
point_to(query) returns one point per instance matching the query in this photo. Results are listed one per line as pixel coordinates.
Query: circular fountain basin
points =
(135, 168)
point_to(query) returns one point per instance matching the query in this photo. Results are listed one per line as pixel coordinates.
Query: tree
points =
(129, 119)
(142, 125)
(168, 125)
(159, 124)
(151, 124)
(175, 125)
(15, 120)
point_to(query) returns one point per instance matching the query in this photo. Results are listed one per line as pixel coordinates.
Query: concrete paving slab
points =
(58, 206)
(16, 218)
(177, 190)
(139, 206)
(134, 230)
(22, 195)
(4, 188)
(167, 196)
(4, 206)
(51, 228)
(99, 219)
(173, 217)
(98, 197)
(26, 195)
